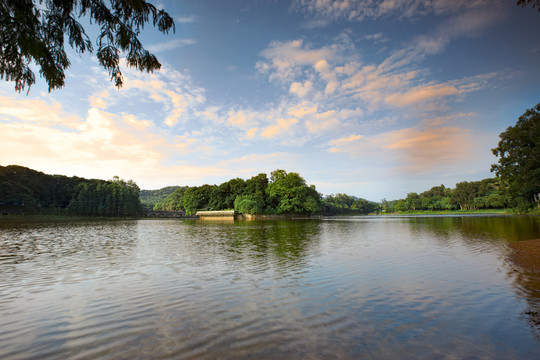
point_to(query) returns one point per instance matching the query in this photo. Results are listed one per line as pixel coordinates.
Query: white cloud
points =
(301, 89)
(36, 111)
(170, 45)
(279, 127)
(186, 19)
(285, 59)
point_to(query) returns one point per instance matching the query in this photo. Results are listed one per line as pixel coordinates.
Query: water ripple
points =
(367, 288)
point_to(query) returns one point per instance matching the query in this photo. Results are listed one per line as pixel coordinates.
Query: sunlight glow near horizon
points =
(358, 98)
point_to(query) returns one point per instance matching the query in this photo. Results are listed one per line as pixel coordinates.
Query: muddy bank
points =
(526, 255)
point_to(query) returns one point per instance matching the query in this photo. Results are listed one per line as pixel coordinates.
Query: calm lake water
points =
(357, 288)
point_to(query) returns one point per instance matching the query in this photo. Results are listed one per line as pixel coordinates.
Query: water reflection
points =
(357, 288)
(509, 228)
(493, 234)
(257, 244)
(23, 242)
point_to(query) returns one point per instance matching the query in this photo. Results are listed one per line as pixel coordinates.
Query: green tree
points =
(464, 194)
(197, 198)
(224, 195)
(289, 194)
(34, 31)
(365, 207)
(519, 158)
(246, 204)
(256, 189)
(173, 202)
(413, 201)
(400, 205)
(150, 198)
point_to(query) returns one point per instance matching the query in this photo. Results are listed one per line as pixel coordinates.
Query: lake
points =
(351, 288)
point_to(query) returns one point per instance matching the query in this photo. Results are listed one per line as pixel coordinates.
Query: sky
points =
(370, 98)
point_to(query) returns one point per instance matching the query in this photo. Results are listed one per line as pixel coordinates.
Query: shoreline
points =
(526, 255)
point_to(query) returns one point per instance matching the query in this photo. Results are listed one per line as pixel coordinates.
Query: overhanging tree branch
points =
(35, 31)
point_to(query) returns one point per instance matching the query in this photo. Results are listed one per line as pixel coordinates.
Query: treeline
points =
(474, 195)
(116, 198)
(27, 191)
(282, 193)
(343, 204)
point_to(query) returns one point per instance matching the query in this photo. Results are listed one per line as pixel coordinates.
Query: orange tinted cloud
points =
(410, 149)
(420, 94)
(281, 126)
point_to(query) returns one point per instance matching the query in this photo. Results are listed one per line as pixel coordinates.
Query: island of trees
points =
(516, 186)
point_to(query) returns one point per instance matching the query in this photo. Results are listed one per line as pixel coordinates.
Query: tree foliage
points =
(345, 204)
(116, 198)
(224, 195)
(173, 201)
(151, 198)
(519, 158)
(288, 193)
(23, 190)
(467, 195)
(534, 3)
(36, 31)
(197, 198)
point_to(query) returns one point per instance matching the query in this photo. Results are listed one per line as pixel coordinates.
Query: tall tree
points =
(519, 158)
(288, 193)
(32, 30)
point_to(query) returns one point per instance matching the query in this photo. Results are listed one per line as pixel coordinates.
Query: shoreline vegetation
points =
(456, 212)
(24, 191)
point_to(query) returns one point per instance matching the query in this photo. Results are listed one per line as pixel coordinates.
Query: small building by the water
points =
(217, 215)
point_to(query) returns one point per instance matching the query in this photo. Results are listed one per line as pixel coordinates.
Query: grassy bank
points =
(456, 212)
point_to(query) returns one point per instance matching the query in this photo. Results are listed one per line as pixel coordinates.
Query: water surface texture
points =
(371, 287)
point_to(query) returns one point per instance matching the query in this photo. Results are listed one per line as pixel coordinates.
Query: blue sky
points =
(370, 98)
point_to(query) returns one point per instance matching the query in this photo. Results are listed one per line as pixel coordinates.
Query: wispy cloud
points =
(358, 10)
(186, 19)
(170, 45)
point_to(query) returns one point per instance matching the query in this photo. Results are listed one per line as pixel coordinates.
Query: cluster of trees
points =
(473, 195)
(345, 204)
(282, 193)
(23, 190)
(518, 176)
(116, 198)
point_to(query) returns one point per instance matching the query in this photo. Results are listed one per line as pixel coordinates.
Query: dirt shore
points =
(526, 255)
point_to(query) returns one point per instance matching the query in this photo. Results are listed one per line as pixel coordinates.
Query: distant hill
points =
(23, 189)
(27, 191)
(149, 198)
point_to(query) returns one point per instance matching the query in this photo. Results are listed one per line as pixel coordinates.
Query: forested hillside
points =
(149, 198)
(27, 191)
